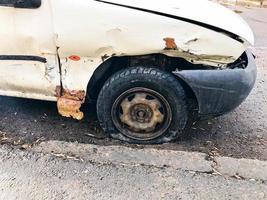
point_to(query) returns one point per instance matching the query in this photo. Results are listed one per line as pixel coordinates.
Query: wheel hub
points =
(142, 113)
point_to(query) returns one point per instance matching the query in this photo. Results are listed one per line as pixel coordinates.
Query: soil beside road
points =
(240, 134)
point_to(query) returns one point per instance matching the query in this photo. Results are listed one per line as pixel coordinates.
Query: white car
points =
(141, 61)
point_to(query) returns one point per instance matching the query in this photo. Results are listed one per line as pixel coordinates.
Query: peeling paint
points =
(170, 44)
(104, 57)
(49, 69)
(70, 102)
(217, 61)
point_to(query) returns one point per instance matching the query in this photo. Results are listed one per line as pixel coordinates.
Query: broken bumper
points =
(220, 91)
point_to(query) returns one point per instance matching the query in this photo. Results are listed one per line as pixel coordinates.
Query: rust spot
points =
(170, 44)
(58, 91)
(74, 58)
(70, 102)
(76, 95)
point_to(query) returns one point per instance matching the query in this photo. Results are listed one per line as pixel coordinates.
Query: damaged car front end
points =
(221, 91)
(140, 61)
(205, 48)
(212, 38)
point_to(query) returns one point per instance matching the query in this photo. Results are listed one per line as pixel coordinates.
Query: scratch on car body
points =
(192, 40)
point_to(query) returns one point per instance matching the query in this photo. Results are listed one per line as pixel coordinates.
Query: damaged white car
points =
(141, 61)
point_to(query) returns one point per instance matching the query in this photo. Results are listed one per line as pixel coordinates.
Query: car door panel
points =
(28, 54)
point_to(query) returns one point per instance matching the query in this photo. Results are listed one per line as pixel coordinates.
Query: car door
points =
(28, 54)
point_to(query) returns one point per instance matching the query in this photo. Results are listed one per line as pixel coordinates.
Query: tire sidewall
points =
(159, 81)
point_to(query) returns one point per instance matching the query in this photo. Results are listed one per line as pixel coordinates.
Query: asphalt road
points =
(97, 172)
(240, 134)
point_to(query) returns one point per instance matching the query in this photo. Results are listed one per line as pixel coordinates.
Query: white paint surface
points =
(91, 29)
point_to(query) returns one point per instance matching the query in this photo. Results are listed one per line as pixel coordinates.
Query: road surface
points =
(45, 156)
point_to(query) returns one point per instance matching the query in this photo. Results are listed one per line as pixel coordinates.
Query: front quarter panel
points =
(95, 32)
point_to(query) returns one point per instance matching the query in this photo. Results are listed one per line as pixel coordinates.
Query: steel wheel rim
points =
(141, 114)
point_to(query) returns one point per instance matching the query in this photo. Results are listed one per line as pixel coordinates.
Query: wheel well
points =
(114, 64)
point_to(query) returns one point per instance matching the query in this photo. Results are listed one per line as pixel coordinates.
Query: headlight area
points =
(241, 62)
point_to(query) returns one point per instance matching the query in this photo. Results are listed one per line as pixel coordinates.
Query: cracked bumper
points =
(220, 91)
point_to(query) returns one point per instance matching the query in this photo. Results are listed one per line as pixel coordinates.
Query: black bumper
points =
(220, 91)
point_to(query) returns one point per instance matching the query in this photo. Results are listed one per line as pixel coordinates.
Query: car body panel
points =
(24, 34)
(53, 51)
(100, 34)
(203, 11)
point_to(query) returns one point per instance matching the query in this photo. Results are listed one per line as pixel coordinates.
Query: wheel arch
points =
(114, 64)
(101, 75)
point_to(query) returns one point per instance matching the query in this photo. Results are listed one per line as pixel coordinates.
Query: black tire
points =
(164, 88)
